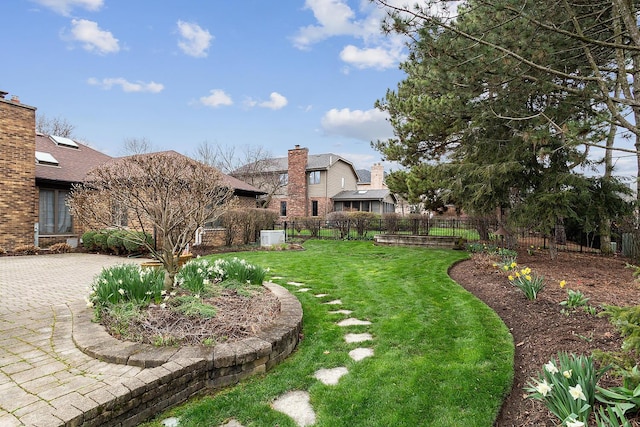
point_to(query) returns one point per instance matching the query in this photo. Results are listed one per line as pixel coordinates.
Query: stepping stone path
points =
(296, 404)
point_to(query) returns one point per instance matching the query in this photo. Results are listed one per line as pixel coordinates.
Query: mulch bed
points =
(540, 330)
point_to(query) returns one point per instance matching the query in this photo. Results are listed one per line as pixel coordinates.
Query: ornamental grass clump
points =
(567, 386)
(239, 270)
(530, 284)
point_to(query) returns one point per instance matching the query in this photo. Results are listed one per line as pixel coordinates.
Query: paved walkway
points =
(44, 379)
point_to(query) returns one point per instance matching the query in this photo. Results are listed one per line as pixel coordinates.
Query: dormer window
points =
(64, 142)
(43, 158)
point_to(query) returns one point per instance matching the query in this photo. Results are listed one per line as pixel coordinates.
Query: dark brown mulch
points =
(540, 330)
(237, 317)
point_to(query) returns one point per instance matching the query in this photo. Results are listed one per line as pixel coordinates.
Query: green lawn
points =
(442, 358)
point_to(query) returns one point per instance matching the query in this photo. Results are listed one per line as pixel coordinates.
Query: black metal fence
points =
(470, 229)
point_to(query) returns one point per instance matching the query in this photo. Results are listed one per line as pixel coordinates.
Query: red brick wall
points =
(297, 202)
(17, 174)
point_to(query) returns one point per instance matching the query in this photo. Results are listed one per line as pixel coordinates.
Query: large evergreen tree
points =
(500, 131)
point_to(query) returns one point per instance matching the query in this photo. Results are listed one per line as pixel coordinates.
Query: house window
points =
(314, 177)
(365, 206)
(284, 178)
(119, 215)
(314, 208)
(283, 208)
(55, 217)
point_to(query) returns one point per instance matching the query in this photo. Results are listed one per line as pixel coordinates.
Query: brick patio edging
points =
(172, 375)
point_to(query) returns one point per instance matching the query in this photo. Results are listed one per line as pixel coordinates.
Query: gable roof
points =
(364, 176)
(281, 164)
(72, 163)
(240, 187)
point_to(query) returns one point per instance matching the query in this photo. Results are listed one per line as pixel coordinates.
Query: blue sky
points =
(235, 73)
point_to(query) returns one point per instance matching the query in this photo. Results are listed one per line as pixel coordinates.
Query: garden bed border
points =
(171, 375)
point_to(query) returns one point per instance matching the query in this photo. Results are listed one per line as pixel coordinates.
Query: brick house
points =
(309, 184)
(37, 173)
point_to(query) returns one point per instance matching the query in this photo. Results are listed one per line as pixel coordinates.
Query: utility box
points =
(271, 237)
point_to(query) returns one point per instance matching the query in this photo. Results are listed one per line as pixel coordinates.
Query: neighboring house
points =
(37, 173)
(309, 184)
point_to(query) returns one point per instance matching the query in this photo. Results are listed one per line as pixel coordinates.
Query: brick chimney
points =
(297, 205)
(377, 177)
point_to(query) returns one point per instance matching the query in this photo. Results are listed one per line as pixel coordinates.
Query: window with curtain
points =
(55, 217)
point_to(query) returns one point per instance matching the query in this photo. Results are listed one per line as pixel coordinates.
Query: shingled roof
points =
(314, 162)
(72, 163)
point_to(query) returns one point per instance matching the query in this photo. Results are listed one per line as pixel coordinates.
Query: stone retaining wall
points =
(449, 242)
(176, 374)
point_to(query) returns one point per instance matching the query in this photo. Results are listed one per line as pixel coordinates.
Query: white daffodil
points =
(567, 374)
(551, 368)
(121, 291)
(574, 423)
(576, 392)
(544, 388)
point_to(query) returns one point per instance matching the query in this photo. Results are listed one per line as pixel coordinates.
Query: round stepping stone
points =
(295, 283)
(357, 337)
(304, 289)
(347, 312)
(330, 376)
(277, 278)
(320, 295)
(295, 404)
(334, 302)
(352, 322)
(360, 353)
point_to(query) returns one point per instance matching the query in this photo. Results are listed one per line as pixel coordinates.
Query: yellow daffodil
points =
(567, 374)
(514, 264)
(563, 283)
(511, 278)
(506, 267)
(528, 277)
(517, 274)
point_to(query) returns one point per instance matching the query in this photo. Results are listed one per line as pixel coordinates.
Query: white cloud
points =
(64, 7)
(369, 57)
(275, 102)
(195, 40)
(93, 38)
(336, 18)
(367, 125)
(217, 98)
(127, 86)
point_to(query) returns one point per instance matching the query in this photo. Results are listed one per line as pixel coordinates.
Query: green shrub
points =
(100, 240)
(115, 242)
(134, 241)
(627, 321)
(88, 241)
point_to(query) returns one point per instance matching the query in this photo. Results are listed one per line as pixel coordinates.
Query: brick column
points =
(297, 204)
(17, 174)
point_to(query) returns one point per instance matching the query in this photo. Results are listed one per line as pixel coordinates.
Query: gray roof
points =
(364, 176)
(361, 195)
(314, 162)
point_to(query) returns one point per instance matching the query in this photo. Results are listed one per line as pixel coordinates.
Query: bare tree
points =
(137, 146)
(58, 126)
(252, 164)
(167, 194)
